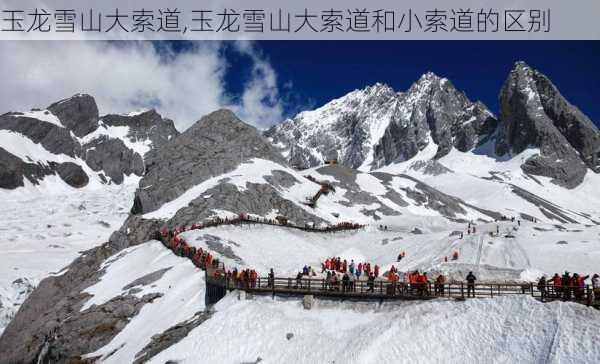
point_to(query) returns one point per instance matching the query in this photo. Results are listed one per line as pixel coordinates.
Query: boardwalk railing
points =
(381, 289)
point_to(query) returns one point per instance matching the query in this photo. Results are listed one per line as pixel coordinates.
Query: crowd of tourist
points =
(345, 275)
(567, 286)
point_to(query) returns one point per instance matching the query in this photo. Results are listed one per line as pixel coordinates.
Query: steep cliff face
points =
(70, 140)
(377, 126)
(535, 115)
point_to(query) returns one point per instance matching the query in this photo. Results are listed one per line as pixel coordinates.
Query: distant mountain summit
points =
(377, 126)
(71, 140)
(533, 113)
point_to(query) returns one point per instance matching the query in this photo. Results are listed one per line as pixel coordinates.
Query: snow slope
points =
(43, 232)
(487, 181)
(423, 332)
(181, 286)
(503, 330)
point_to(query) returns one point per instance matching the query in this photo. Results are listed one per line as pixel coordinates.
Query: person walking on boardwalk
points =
(439, 285)
(371, 283)
(566, 286)
(596, 287)
(541, 286)
(557, 283)
(298, 280)
(579, 284)
(471, 284)
(423, 284)
(271, 279)
(345, 282)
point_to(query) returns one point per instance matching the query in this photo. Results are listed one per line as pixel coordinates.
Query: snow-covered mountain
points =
(370, 128)
(70, 142)
(424, 163)
(376, 127)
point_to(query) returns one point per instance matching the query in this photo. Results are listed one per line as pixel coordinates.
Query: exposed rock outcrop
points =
(535, 115)
(78, 114)
(217, 144)
(113, 146)
(50, 326)
(214, 145)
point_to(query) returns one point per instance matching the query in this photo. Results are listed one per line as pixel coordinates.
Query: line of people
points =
(246, 218)
(355, 269)
(200, 258)
(245, 278)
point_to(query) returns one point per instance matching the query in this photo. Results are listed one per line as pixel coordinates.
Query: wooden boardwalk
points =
(386, 290)
(218, 283)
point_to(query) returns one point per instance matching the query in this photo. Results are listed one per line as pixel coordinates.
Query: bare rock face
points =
(78, 114)
(535, 115)
(148, 125)
(53, 138)
(73, 128)
(13, 171)
(113, 158)
(215, 145)
(376, 126)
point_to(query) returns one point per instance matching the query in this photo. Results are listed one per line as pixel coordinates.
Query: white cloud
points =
(127, 76)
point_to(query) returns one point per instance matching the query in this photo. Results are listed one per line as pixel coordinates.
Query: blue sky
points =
(265, 82)
(313, 72)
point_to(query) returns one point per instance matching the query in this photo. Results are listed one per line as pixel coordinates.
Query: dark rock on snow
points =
(78, 115)
(535, 114)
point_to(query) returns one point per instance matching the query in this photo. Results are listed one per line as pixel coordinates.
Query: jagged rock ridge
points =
(72, 141)
(534, 114)
(377, 126)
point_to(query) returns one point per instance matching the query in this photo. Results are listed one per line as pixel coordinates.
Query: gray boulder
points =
(72, 174)
(534, 114)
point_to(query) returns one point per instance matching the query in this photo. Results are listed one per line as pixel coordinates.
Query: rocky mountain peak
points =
(78, 113)
(535, 115)
(379, 90)
(214, 145)
(376, 126)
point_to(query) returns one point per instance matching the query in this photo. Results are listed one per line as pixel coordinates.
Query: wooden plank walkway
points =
(218, 283)
(385, 290)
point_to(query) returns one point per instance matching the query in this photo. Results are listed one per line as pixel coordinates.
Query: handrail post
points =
(589, 295)
(492, 290)
(462, 290)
